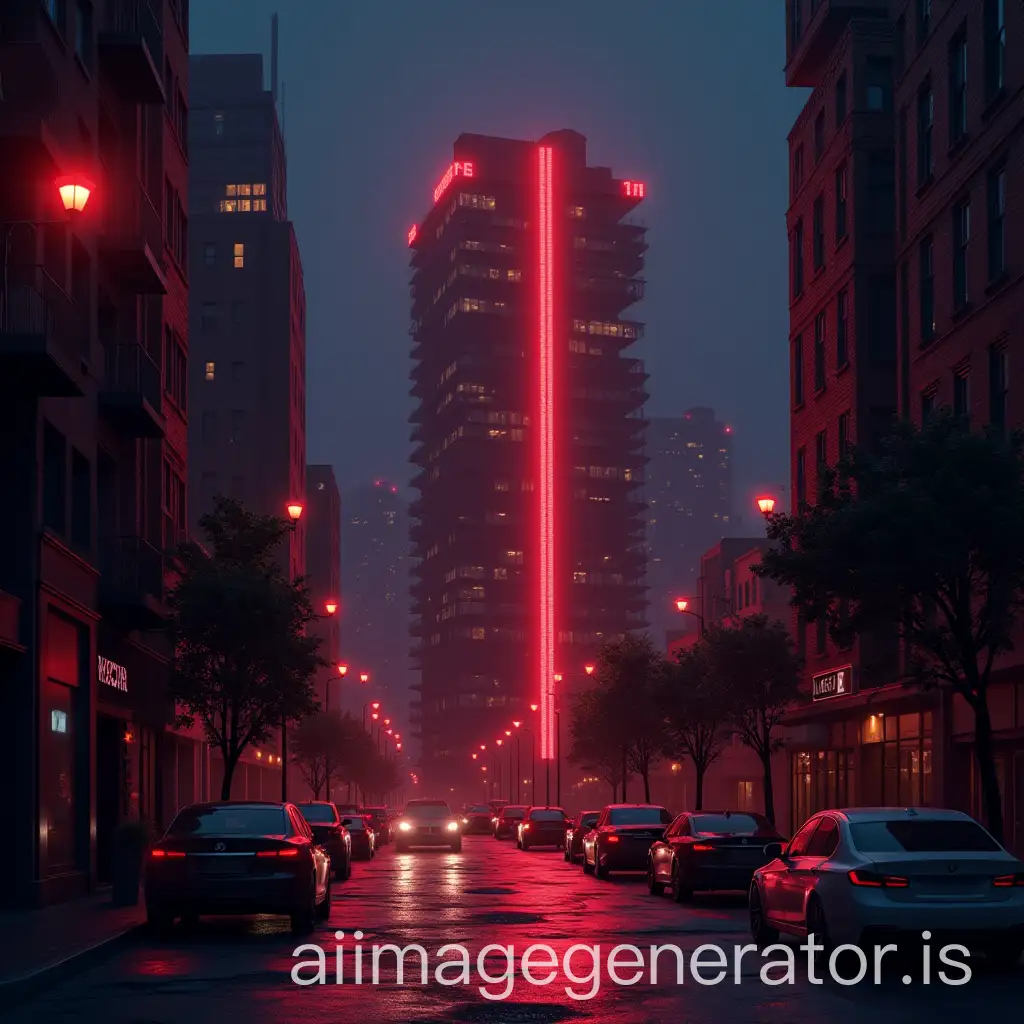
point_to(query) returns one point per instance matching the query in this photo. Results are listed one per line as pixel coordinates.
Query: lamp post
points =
(683, 607)
(342, 670)
(372, 704)
(294, 509)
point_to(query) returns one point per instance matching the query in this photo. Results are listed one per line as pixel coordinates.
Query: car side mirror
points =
(775, 851)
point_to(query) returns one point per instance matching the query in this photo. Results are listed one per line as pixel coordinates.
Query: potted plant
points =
(131, 841)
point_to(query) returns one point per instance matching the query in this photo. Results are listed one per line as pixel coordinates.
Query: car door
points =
(803, 862)
(590, 840)
(320, 861)
(778, 895)
(822, 846)
(665, 850)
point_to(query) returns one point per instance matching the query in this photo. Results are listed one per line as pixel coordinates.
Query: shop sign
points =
(111, 674)
(837, 683)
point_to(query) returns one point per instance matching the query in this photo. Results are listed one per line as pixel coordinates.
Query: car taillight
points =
(165, 853)
(703, 847)
(526, 827)
(873, 880)
(288, 852)
(612, 839)
(1008, 881)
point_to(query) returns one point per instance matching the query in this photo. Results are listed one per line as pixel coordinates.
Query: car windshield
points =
(733, 825)
(555, 815)
(318, 814)
(483, 809)
(589, 819)
(512, 812)
(230, 821)
(932, 836)
(639, 816)
(428, 811)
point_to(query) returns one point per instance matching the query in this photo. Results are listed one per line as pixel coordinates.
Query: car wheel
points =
(304, 919)
(588, 868)
(681, 893)
(565, 855)
(457, 846)
(159, 919)
(1003, 958)
(600, 870)
(654, 887)
(323, 910)
(760, 931)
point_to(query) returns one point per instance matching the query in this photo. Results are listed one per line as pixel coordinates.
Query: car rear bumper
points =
(275, 895)
(624, 856)
(721, 878)
(544, 838)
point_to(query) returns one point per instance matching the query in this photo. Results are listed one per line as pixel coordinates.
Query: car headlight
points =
(404, 826)
(465, 821)
(453, 826)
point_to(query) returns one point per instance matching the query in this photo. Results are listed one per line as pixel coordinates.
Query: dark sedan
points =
(506, 824)
(542, 826)
(364, 839)
(428, 823)
(713, 851)
(477, 819)
(238, 858)
(578, 828)
(329, 832)
(622, 838)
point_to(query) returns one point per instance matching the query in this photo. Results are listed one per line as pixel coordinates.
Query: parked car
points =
(477, 819)
(578, 828)
(378, 818)
(542, 826)
(364, 839)
(506, 821)
(622, 838)
(709, 850)
(238, 858)
(328, 831)
(428, 823)
(872, 875)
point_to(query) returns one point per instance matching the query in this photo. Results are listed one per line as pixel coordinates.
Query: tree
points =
(755, 670)
(630, 672)
(695, 715)
(320, 746)
(594, 741)
(243, 662)
(925, 537)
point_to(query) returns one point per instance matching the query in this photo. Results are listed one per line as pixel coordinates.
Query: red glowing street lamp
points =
(533, 707)
(295, 510)
(387, 721)
(388, 731)
(558, 677)
(766, 505)
(398, 746)
(682, 604)
(330, 607)
(342, 670)
(517, 724)
(74, 192)
(499, 742)
(589, 669)
(508, 732)
(364, 677)
(474, 755)
(483, 746)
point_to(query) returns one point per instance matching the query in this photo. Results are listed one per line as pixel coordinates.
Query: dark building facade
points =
(375, 590)
(689, 495)
(248, 310)
(323, 575)
(93, 371)
(922, 171)
(528, 532)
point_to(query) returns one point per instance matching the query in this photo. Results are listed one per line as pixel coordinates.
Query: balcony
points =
(42, 339)
(810, 42)
(130, 395)
(132, 237)
(10, 623)
(29, 64)
(132, 583)
(131, 47)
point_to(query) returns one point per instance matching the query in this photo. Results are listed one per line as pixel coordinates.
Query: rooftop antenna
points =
(273, 56)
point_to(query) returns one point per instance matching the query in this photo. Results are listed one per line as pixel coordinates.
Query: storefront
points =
(861, 748)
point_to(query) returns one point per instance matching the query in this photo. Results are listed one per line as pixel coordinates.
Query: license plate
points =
(225, 866)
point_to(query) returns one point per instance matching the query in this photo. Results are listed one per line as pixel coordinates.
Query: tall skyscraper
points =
(375, 595)
(689, 506)
(529, 433)
(323, 575)
(93, 358)
(247, 385)
(248, 308)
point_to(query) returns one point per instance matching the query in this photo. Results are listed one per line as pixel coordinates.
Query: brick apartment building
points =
(93, 364)
(906, 167)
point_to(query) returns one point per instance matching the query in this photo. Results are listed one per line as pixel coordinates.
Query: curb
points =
(17, 990)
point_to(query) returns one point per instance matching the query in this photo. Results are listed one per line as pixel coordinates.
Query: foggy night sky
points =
(686, 96)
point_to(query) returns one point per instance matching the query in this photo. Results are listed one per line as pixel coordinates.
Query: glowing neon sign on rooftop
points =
(459, 169)
(633, 189)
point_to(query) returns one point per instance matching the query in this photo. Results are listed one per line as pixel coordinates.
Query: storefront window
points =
(821, 780)
(57, 804)
(897, 758)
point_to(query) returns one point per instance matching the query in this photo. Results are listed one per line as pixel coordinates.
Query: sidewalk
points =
(40, 947)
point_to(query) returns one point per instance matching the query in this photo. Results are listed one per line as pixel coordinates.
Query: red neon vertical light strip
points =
(546, 452)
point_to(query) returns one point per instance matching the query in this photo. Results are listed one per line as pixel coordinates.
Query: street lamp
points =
(295, 510)
(589, 669)
(376, 707)
(533, 759)
(766, 505)
(330, 607)
(74, 192)
(683, 607)
(364, 677)
(343, 670)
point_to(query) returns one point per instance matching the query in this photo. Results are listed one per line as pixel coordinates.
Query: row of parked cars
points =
(861, 875)
(251, 857)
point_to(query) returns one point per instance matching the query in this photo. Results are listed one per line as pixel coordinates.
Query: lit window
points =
(244, 205)
(228, 205)
(259, 190)
(239, 255)
(210, 370)
(231, 190)
(477, 633)
(259, 206)
(245, 190)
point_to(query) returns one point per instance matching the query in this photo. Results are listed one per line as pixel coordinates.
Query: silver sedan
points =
(867, 876)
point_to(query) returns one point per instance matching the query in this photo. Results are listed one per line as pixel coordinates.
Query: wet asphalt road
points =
(240, 969)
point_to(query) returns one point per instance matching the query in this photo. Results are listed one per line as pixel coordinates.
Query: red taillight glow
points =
(703, 847)
(166, 853)
(872, 880)
(1008, 881)
(290, 852)
(612, 839)
(546, 448)
(526, 828)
